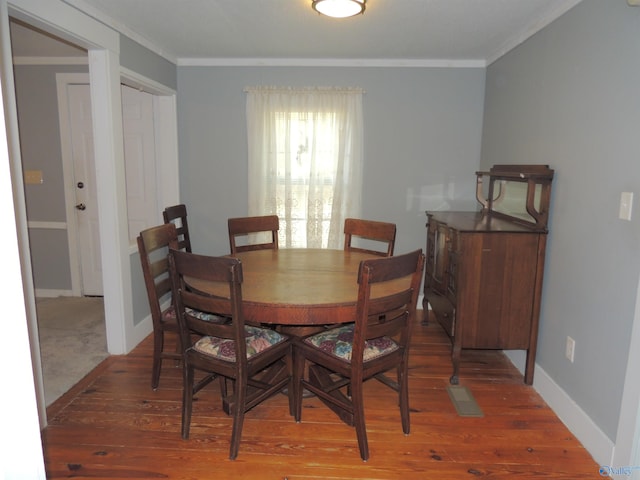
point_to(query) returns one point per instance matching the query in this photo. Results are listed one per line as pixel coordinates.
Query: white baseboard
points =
(576, 420)
(49, 293)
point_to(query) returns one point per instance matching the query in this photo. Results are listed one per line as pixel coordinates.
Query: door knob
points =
(81, 206)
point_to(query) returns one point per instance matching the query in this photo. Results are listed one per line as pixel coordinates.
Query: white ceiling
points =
(396, 32)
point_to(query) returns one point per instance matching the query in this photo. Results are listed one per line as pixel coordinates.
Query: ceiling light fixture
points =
(339, 8)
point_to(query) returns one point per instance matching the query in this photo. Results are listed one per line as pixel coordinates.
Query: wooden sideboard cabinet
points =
(484, 269)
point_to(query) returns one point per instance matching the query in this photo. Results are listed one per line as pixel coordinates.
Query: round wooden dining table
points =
(296, 286)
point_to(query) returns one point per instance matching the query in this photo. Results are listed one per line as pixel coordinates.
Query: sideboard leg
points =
(455, 359)
(425, 313)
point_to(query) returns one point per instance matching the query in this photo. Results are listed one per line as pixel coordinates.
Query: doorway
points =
(52, 233)
(47, 221)
(127, 321)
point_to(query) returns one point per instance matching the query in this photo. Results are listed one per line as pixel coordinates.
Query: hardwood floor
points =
(112, 425)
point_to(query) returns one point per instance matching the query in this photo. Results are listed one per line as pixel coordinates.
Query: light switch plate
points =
(626, 205)
(33, 177)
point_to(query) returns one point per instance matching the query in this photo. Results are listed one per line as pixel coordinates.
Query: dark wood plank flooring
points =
(113, 426)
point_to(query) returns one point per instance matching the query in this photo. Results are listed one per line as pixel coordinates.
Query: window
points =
(305, 156)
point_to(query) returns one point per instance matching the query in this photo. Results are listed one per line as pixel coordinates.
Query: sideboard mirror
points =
(520, 193)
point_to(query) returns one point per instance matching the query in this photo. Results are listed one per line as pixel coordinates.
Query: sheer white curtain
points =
(305, 161)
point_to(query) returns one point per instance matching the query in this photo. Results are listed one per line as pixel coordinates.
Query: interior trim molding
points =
(328, 62)
(51, 60)
(47, 225)
(53, 293)
(577, 421)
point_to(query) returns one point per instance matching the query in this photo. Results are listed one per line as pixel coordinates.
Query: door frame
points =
(166, 136)
(103, 46)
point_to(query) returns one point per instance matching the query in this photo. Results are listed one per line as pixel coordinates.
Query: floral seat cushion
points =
(169, 315)
(257, 340)
(338, 342)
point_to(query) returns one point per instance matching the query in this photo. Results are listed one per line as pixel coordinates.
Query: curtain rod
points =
(305, 89)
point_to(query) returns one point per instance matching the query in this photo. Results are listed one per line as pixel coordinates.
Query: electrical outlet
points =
(570, 349)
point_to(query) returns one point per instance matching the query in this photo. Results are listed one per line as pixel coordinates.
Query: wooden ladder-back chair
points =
(342, 358)
(370, 230)
(246, 226)
(153, 248)
(256, 360)
(177, 214)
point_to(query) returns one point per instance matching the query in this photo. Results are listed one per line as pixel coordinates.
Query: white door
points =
(140, 165)
(140, 160)
(86, 204)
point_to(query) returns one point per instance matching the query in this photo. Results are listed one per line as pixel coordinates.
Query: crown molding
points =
(561, 7)
(119, 27)
(328, 62)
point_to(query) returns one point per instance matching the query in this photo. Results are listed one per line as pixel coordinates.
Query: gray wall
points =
(422, 131)
(40, 145)
(143, 61)
(569, 97)
(37, 101)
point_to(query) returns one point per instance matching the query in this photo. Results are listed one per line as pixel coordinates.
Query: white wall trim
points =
(20, 440)
(99, 16)
(53, 293)
(47, 225)
(106, 104)
(328, 62)
(576, 420)
(627, 450)
(50, 60)
(140, 82)
(560, 8)
(68, 23)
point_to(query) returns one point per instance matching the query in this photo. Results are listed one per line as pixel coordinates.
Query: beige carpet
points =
(72, 341)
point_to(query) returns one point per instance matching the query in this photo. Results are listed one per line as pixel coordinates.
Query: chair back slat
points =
(250, 228)
(185, 266)
(373, 233)
(177, 214)
(153, 247)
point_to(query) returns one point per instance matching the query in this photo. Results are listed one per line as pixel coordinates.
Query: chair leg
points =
(296, 382)
(158, 345)
(240, 387)
(178, 351)
(223, 386)
(404, 400)
(187, 398)
(357, 399)
(291, 394)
